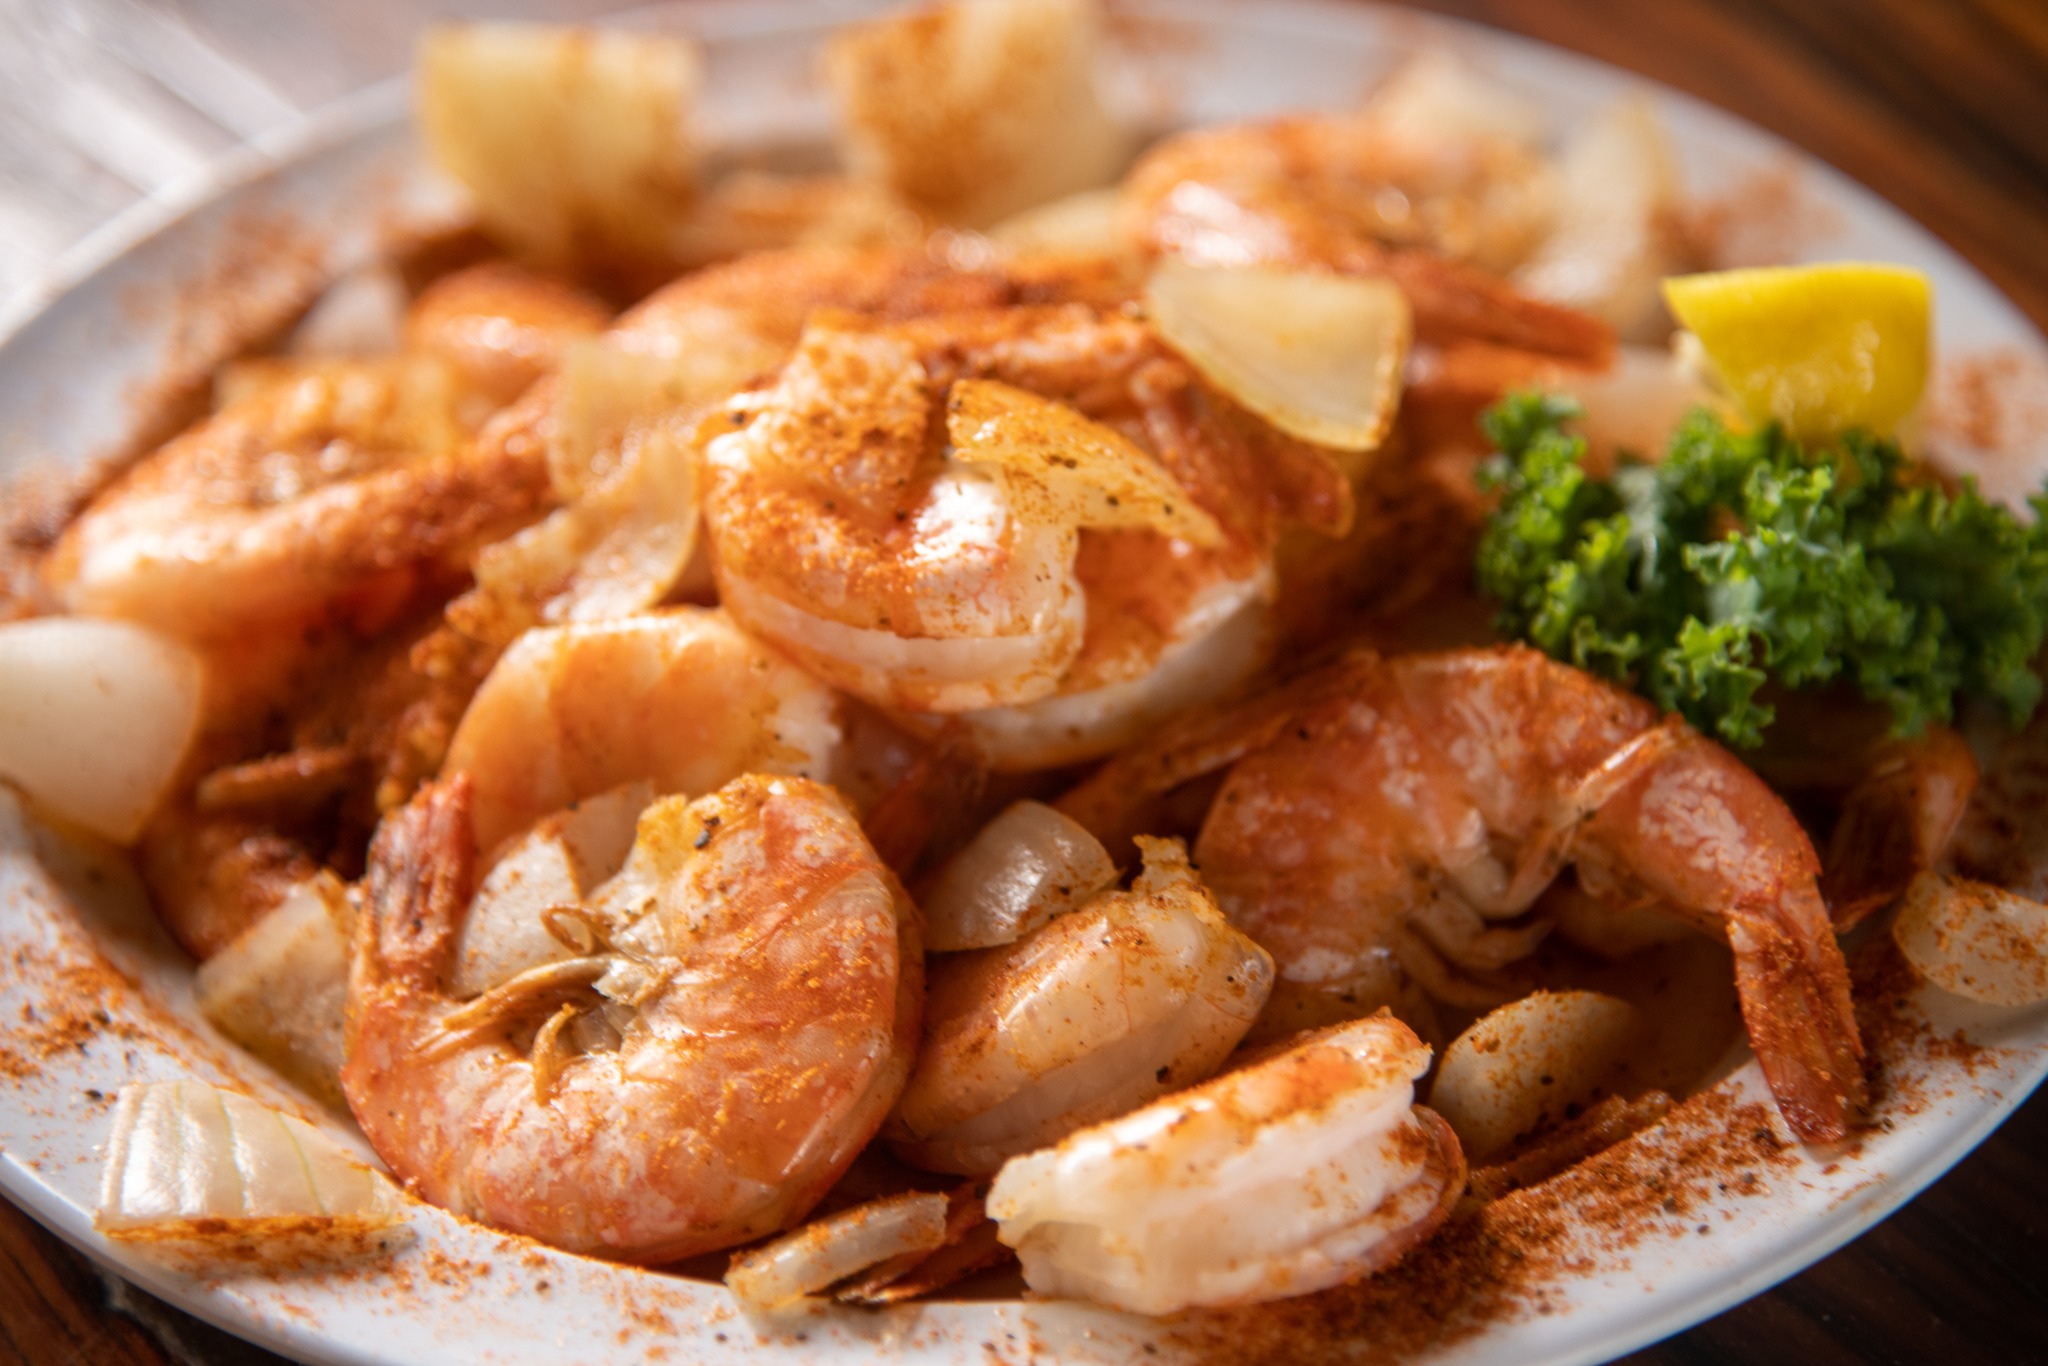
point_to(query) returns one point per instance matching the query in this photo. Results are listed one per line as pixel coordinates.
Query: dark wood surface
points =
(1941, 106)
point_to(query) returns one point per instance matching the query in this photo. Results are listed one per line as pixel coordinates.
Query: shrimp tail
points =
(421, 873)
(1801, 1023)
(1447, 1171)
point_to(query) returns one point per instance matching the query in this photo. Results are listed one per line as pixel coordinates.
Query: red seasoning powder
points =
(1506, 1259)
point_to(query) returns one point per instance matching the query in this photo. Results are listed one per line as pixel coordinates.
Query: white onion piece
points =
(95, 717)
(1083, 224)
(362, 314)
(191, 1163)
(1637, 403)
(975, 109)
(1526, 1063)
(280, 988)
(1612, 245)
(617, 549)
(828, 1251)
(1062, 469)
(1026, 866)
(1437, 98)
(574, 143)
(1975, 940)
(556, 864)
(1319, 356)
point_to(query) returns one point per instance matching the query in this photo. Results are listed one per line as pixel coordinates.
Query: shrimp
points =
(288, 499)
(1405, 816)
(1897, 821)
(681, 699)
(907, 514)
(757, 979)
(1339, 191)
(1293, 1174)
(500, 327)
(1094, 1013)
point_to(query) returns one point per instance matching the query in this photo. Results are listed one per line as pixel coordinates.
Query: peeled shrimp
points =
(290, 498)
(1290, 1175)
(1053, 570)
(500, 327)
(1344, 192)
(1096, 1012)
(1405, 816)
(681, 699)
(753, 995)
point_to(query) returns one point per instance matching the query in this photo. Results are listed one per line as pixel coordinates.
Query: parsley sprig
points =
(1741, 557)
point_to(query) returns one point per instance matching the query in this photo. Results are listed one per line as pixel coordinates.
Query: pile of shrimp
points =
(873, 748)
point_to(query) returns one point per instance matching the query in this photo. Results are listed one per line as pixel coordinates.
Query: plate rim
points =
(380, 109)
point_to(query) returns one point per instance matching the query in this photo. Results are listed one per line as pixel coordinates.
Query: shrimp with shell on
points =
(1034, 519)
(1397, 819)
(752, 998)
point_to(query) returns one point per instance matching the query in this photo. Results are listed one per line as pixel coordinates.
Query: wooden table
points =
(1941, 106)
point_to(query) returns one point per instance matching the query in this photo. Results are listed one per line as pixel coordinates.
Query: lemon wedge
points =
(1819, 348)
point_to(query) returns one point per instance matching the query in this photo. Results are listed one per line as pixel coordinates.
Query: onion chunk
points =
(1522, 1066)
(1974, 940)
(1319, 356)
(190, 1164)
(95, 717)
(1062, 468)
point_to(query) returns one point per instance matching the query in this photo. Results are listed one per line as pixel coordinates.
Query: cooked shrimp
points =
(1409, 812)
(290, 498)
(1096, 1012)
(1026, 562)
(1296, 1173)
(760, 968)
(1339, 191)
(499, 327)
(681, 699)
(1897, 821)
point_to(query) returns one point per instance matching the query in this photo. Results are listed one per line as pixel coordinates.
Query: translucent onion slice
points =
(823, 1253)
(976, 109)
(1060, 468)
(362, 314)
(1083, 224)
(1975, 940)
(1613, 244)
(1437, 98)
(607, 392)
(1524, 1065)
(616, 550)
(192, 1164)
(1026, 866)
(279, 989)
(1319, 356)
(95, 717)
(524, 914)
(574, 143)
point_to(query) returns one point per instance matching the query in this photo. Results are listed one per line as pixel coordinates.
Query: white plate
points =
(93, 995)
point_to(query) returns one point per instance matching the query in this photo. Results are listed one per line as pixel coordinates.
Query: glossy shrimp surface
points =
(309, 487)
(753, 993)
(1433, 797)
(1103, 1008)
(1301, 1171)
(989, 512)
(681, 699)
(1337, 191)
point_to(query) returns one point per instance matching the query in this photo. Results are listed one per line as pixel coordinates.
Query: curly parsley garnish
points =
(1743, 557)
